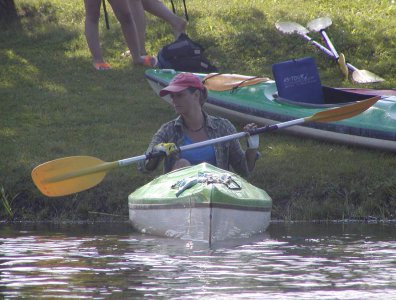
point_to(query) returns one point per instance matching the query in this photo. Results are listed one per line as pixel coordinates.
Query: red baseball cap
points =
(181, 82)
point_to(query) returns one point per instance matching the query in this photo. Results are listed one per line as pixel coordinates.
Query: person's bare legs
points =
(158, 9)
(137, 11)
(124, 16)
(92, 13)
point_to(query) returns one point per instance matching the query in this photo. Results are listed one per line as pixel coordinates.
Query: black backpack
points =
(184, 55)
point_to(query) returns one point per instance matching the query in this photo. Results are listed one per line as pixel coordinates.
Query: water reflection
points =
(290, 261)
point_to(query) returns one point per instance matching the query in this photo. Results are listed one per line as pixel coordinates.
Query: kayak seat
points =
(298, 80)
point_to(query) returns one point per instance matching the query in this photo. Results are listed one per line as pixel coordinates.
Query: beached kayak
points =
(200, 203)
(260, 103)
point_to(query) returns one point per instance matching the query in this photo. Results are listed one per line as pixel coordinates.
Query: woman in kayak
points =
(193, 125)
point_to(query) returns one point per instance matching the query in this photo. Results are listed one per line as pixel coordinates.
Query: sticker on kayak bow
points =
(207, 178)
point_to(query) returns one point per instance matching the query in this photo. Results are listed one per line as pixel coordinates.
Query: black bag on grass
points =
(184, 55)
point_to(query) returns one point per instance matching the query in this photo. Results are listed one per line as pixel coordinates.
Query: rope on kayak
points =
(235, 88)
(223, 82)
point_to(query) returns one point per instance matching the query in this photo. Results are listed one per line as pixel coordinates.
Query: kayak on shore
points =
(260, 103)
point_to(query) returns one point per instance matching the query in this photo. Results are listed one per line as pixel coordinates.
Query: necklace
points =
(195, 130)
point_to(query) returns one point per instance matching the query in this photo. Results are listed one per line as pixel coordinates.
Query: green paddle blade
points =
(70, 175)
(343, 112)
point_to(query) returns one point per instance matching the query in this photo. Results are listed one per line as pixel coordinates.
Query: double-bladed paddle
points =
(359, 76)
(73, 174)
(319, 25)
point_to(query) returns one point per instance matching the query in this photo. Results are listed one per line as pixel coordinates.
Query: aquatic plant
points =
(6, 211)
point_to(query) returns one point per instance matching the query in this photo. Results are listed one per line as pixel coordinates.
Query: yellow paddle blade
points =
(343, 112)
(70, 175)
(224, 82)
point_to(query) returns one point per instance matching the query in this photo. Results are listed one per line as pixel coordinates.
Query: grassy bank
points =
(54, 104)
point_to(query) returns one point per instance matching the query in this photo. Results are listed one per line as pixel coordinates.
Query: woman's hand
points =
(166, 148)
(253, 141)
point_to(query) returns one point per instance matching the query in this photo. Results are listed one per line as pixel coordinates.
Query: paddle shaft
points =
(222, 139)
(319, 25)
(69, 175)
(331, 51)
(329, 43)
(105, 166)
(131, 160)
(330, 115)
(333, 55)
(323, 116)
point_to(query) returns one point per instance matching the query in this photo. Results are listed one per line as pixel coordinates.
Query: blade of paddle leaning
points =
(365, 76)
(74, 174)
(291, 27)
(319, 24)
(358, 76)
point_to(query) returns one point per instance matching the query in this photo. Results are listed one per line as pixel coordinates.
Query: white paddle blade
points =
(291, 27)
(364, 76)
(319, 24)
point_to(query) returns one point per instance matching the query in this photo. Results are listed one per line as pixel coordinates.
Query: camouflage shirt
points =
(227, 153)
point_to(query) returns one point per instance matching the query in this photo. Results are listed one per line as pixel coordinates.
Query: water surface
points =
(290, 261)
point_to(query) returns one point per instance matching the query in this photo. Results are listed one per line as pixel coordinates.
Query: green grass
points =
(54, 104)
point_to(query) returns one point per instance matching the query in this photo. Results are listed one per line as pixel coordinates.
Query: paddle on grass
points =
(319, 25)
(73, 174)
(359, 76)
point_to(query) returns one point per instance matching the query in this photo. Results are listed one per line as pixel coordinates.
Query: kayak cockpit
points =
(332, 97)
(298, 83)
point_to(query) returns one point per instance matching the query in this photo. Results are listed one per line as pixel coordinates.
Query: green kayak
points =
(200, 203)
(261, 103)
